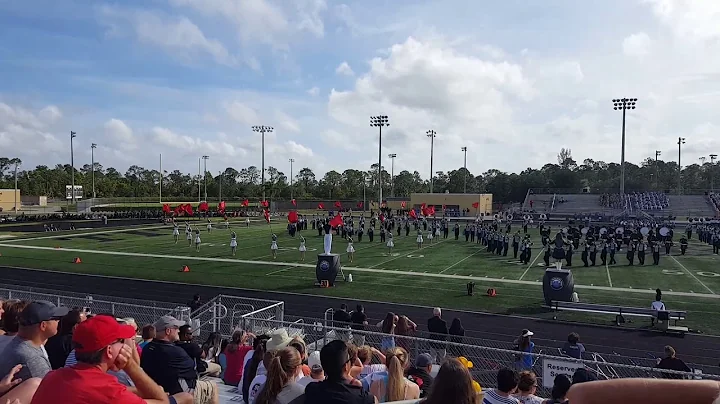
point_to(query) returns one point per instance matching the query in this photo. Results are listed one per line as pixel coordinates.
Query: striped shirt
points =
(492, 397)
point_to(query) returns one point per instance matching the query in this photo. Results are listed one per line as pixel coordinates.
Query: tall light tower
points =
(464, 149)
(291, 178)
(92, 160)
(17, 163)
(392, 173)
(431, 134)
(713, 157)
(263, 130)
(379, 121)
(205, 159)
(73, 135)
(681, 141)
(657, 169)
(623, 104)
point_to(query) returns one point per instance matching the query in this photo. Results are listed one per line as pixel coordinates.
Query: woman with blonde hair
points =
(280, 386)
(392, 385)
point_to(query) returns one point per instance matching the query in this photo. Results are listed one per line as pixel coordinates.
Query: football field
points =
(434, 275)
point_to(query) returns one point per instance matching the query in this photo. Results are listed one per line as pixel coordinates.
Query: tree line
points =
(506, 187)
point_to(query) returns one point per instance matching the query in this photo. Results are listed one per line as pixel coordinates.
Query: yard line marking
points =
(608, 273)
(691, 274)
(357, 269)
(453, 265)
(88, 233)
(280, 270)
(401, 255)
(531, 264)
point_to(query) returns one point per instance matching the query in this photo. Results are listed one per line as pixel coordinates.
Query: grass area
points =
(408, 275)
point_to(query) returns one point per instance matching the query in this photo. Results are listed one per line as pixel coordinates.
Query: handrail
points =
(552, 205)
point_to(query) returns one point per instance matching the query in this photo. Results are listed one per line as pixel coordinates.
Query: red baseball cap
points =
(98, 332)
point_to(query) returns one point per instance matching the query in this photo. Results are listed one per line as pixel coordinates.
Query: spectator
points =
(561, 386)
(392, 385)
(211, 347)
(388, 327)
(357, 365)
(260, 379)
(420, 373)
(573, 347)
(252, 365)
(299, 344)
(582, 375)
(527, 387)
(280, 386)
(171, 367)
(10, 319)
(59, 346)
(438, 327)
(524, 344)
(316, 371)
(202, 366)
(453, 384)
(148, 333)
(670, 362)
(15, 390)
(507, 382)
(195, 303)
(38, 322)
(2, 311)
(365, 355)
(235, 354)
(341, 319)
(358, 320)
(101, 344)
(457, 333)
(405, 327)
(336, 389)
(222, 359)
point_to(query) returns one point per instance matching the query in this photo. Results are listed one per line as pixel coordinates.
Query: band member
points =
(360, 232)
(233, 243)
(209, 226)
(371, 233)
(445, 229)
(683, 245)
(197, 240)
(569, 254)
(641, 251)
(668, 245)
(419, 239)
(558, 249)
(593, 252)
(522, 251)
(247, 222)
(176, 233)
(430, 236)
(631, 253)
(189, 235)
(584, 254)
(456, 230)
(528, 250)
(327, 239)
(656, 253)
(516, 243)
(546, 256)
(612, 247)
(382, 233)
(302, 248)
(351, 250)
(506, 244)
(227, 223)
(390, 244)
(437, 231)
(603, 251)
(274, 246)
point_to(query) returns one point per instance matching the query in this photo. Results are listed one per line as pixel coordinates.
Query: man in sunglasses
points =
(101, 345)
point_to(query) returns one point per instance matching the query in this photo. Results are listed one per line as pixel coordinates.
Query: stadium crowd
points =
(636, 200)
(52, 354)
(715, 200)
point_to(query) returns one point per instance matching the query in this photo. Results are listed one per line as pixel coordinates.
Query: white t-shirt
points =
(255, 387)
(369, 369)
(260, 370)
(658, 305)
(530, 399)
(307, 380)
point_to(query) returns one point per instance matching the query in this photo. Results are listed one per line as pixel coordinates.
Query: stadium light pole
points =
(464, 149)
(713, 157)
(291, 178)
(93, 146)
(17, 162)
(263, 130)
(199, 178)
(73, 135)
(205, 159)
(392, 173)
(623, 104)
(379, 121)
(681, 141)
(657, 169)
(431, 134)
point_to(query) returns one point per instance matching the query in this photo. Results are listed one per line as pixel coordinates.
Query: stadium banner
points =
(78, 192)
(554, 367)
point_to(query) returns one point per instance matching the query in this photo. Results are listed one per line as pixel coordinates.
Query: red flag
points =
(338, 205)
(443, 207)
(264, 204)
(321, 206)
(203, 207)
(188, 209)
(221, 206)
(294, 202)
(336, 221)
(166, 208)
(292, 217)
(266, 213)
(382, 218)
(178, 210)
(475, 205)
(402, 204)
(423, 206)
(360, 205)
(431, 211)
(413, 214)
(246, 202)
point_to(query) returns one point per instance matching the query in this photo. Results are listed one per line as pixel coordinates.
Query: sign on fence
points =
(554, 367)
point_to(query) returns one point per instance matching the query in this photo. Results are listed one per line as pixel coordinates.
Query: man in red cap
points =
(102, 344)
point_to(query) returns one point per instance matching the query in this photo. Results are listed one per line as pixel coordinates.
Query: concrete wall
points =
(34, 200)
(7, 200)
(459, 201)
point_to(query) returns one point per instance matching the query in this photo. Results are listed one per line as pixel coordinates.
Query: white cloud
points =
(314, 91)
(637, 45)
(690, 19)
(51, 113)
(221, 148)
(121, 135)
(24, 133)
(242, 113)
(344, 69)
(287, 122)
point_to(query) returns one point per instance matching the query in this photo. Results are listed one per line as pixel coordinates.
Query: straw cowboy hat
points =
(279, 339)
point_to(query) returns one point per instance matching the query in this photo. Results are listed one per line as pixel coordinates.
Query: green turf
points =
(691, 273)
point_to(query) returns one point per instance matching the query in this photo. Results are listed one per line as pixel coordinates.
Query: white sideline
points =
(372, 270)
(691, 274)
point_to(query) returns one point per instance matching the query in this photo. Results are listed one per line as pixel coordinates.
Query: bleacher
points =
(566, 204)
(690, 206)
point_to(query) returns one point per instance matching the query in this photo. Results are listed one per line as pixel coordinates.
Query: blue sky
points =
(514, 81)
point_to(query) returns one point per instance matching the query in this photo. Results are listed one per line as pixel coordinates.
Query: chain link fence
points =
(143, 311)
(224, 314)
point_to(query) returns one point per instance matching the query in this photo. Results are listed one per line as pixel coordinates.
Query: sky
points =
(513, 81)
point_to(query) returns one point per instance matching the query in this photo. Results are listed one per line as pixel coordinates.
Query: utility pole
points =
(205, 159)
(92, 159)
(392, 173)
(291, 179)
(681, 141)
(713, 157)
(199, 178)
(657, 169)
(220, 181)
(431, 134)
(623, 104)
(161, 177)
(263, 129)
(17, 162)
(464, 149)
(379, 121)
(72, 167)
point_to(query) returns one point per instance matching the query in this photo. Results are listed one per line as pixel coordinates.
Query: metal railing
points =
(224, 314)
(486, 360)
(142, 311)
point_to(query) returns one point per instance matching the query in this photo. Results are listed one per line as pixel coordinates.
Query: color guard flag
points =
(188, 209)
(264, 204)
(266, 213)
(422, 206)
(166, 208)
(336, 221)
(203, 207)
(402, 204)
(178, 210)
(221, 206)
(292, 217)
(246, 203)
(413, 214)
(321, 206)
(338, 205)
(360, 205)
(294, 202)
(475, 205)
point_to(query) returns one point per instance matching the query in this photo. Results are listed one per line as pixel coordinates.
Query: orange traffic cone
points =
(77, 260)
(492, 292)
(185, 268)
